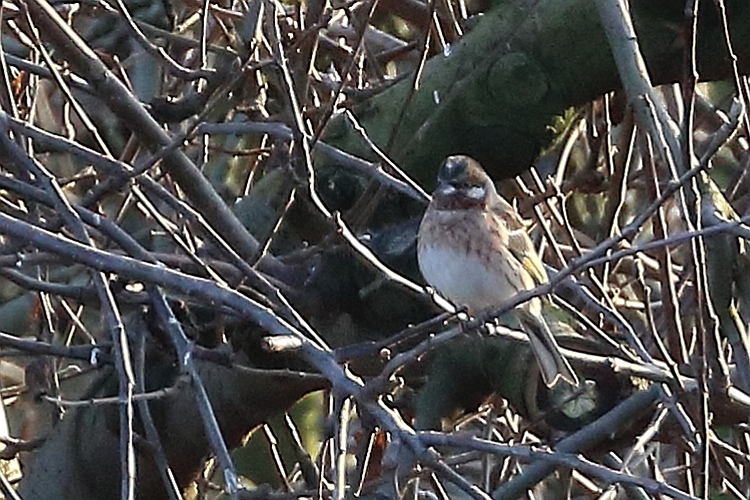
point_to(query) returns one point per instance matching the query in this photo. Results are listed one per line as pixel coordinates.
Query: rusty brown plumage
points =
(473, 248)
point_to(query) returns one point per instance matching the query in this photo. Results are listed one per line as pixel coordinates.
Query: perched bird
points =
(473, 248)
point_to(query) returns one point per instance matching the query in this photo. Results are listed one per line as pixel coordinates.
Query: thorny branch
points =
(153, 223)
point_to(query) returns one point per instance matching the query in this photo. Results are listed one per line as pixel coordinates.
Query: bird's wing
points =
(519, 243)
(506, 212)
(520, 246)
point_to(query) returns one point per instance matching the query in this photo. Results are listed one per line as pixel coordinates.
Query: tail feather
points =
(552, 364)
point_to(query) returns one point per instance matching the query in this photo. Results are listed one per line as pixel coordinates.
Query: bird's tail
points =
(552, 364)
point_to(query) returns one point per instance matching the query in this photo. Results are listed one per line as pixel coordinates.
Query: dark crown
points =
(461, 170)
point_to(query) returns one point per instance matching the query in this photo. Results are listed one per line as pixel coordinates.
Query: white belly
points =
(464, 279)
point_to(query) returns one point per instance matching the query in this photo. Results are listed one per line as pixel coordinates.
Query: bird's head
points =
(462, 183)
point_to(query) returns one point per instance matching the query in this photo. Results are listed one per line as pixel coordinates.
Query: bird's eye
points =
(476, 192)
